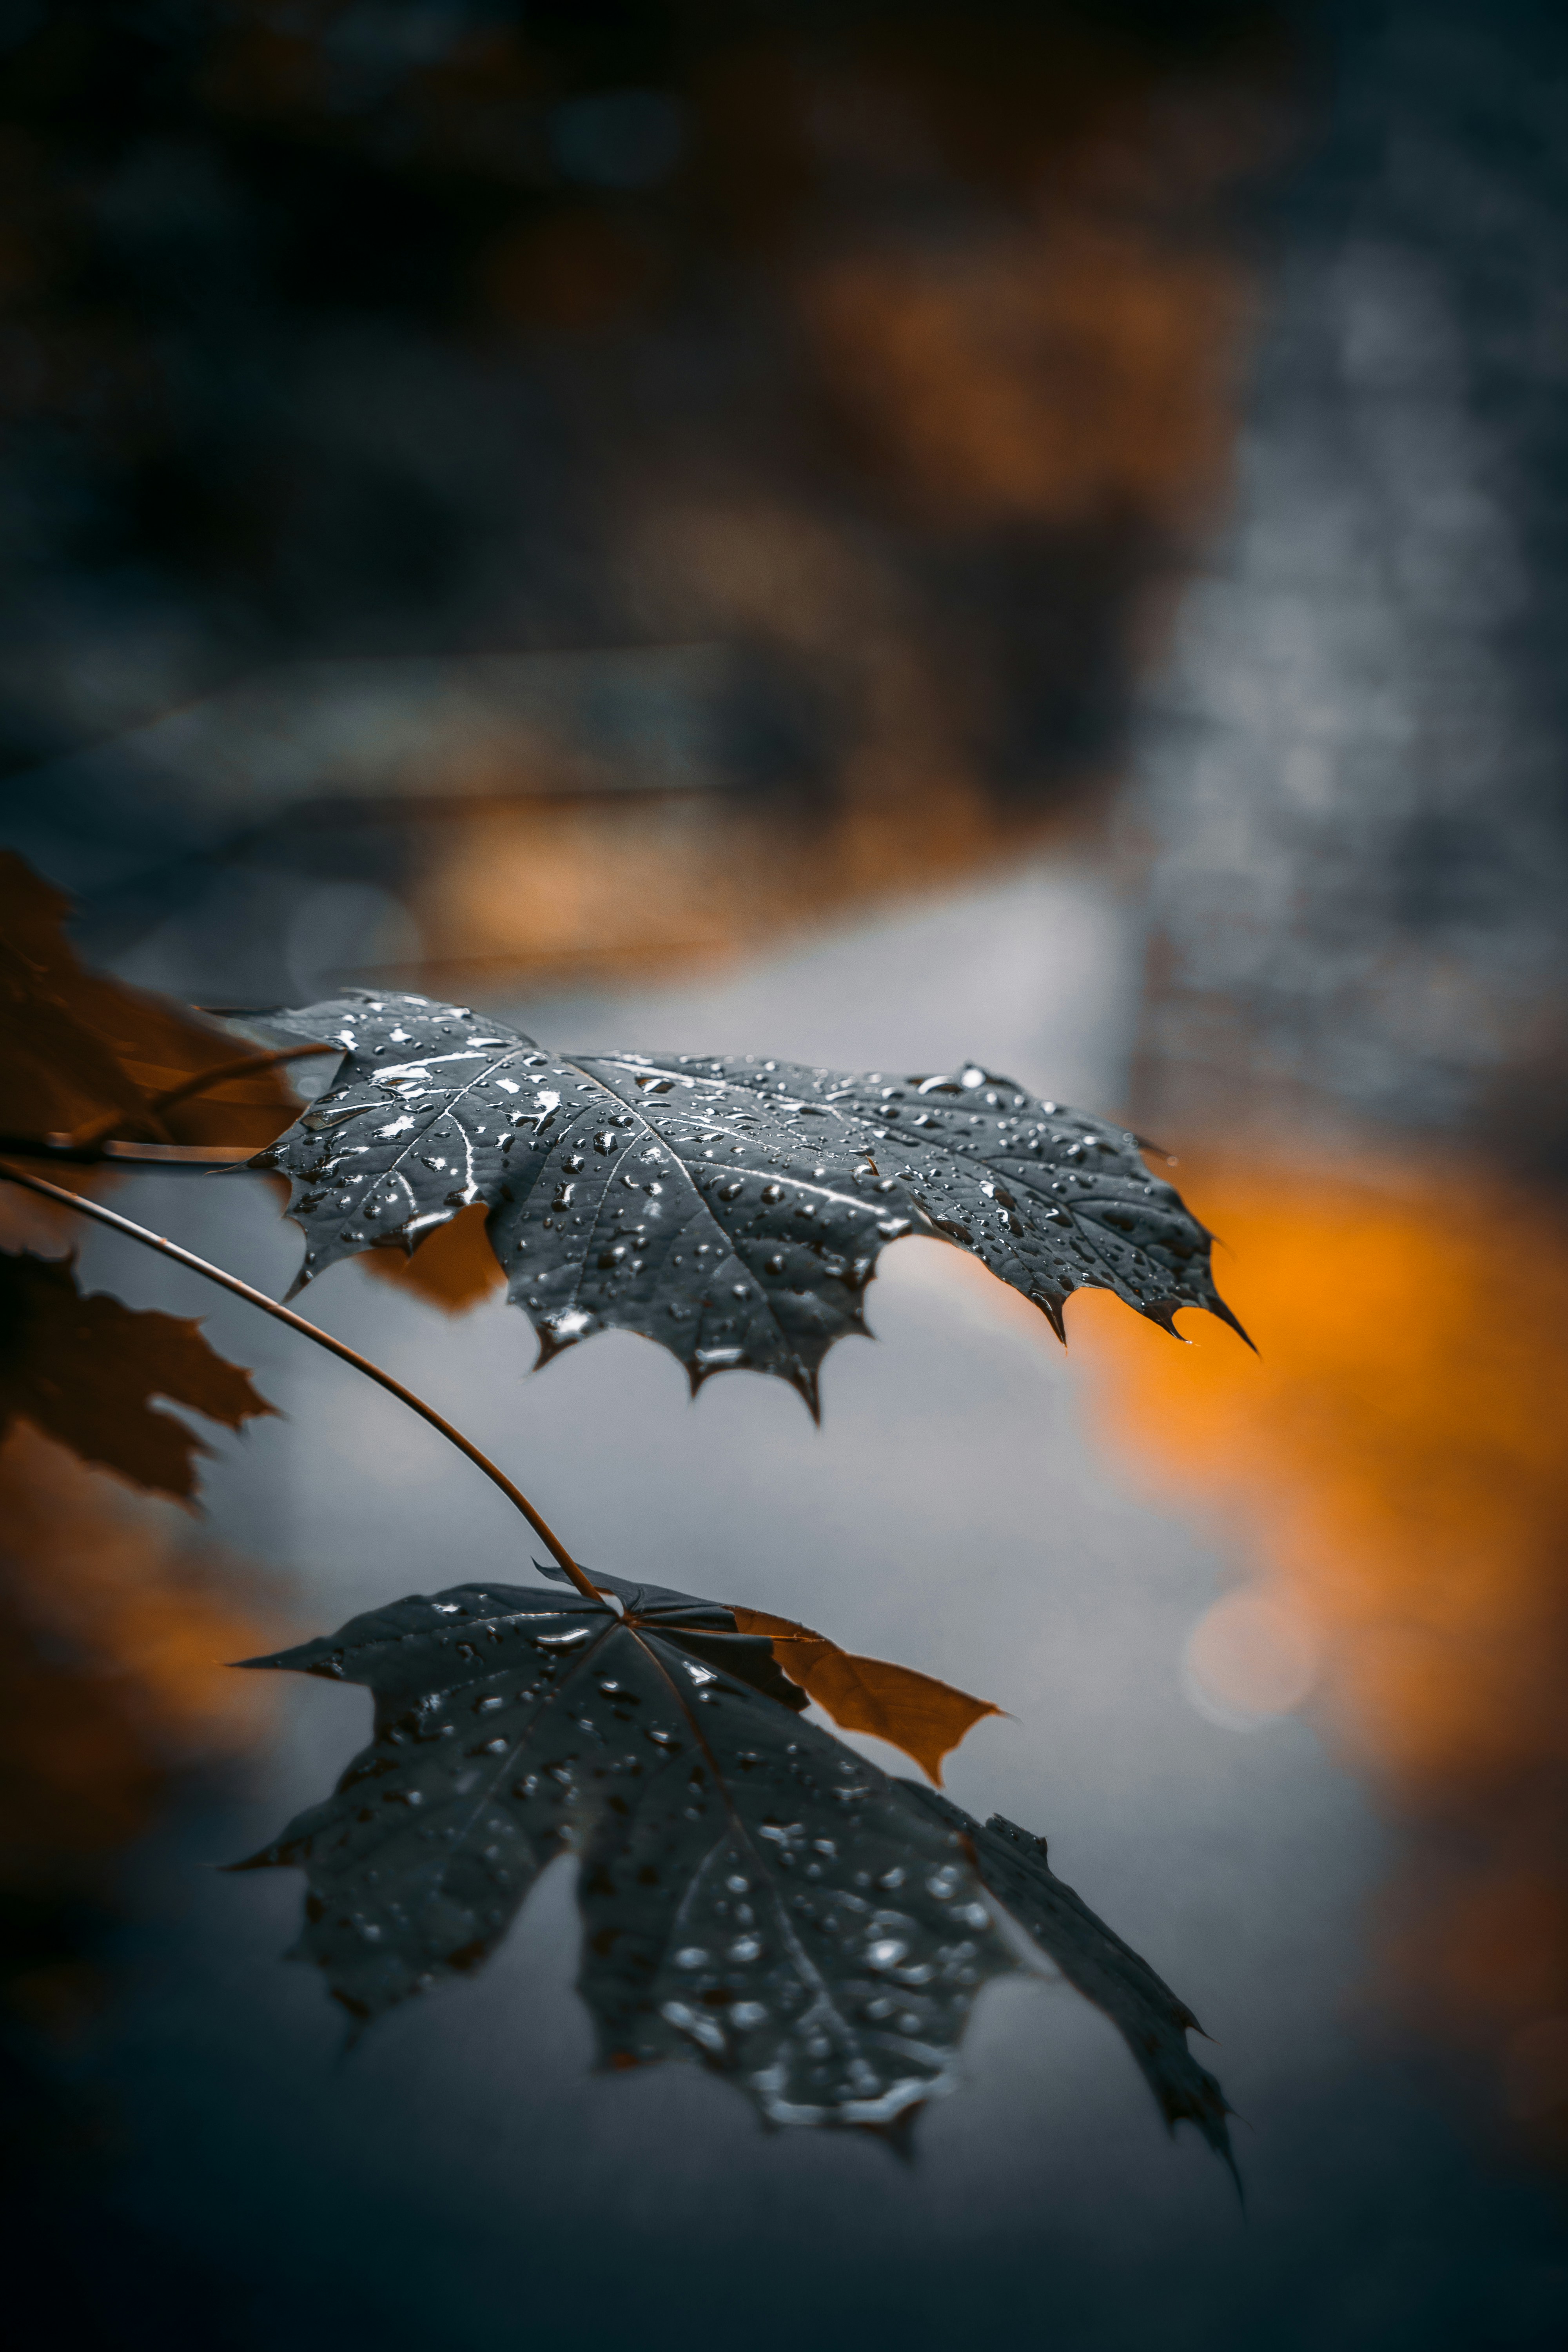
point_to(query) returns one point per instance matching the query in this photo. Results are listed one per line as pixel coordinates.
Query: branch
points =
(118, 1225)
(87, 1146)
(199, 1158)
(96, 1129)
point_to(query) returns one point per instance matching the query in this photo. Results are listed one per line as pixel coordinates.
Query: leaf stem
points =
(96, 1129)
(117, 1224)
(194, 1158)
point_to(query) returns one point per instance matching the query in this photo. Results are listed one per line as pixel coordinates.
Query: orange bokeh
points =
(1074, 373)
(117, 1615)
(120, 1620)
(1391, 1468)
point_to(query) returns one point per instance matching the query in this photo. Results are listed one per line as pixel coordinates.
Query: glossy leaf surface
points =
(1152, 2020)
(732, 1210)
(753, 1895)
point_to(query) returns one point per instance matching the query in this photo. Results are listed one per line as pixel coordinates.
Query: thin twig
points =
(117, 1224)
(199, 1158)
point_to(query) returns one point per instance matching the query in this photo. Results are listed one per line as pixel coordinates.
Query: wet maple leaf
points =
(753, 1894)
(731, 1209)
(925, 1717)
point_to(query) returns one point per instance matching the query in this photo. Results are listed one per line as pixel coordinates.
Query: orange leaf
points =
(75, 1045)
(915, 1712)
(454, 1266)
(84, 1369)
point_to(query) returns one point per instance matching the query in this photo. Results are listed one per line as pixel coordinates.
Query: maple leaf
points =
(58, 1071)
(84, 1369)
(753, 1894)
(454, 1269)
(925, 1717)
(1152, 2020)
(82, 1053)
(734, 1209)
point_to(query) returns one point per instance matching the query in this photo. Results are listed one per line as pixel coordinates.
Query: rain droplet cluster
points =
(753, 1894)
(734, 1209)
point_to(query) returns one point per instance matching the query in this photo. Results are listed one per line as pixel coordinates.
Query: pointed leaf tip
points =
(1051, 1309)
(924, 1718)
(1149, 2018)
(1226, 1316)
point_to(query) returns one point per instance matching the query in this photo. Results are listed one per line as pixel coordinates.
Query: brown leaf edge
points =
(83, 1368)
(80, 1051)
(924, 1718)
(452, 1269)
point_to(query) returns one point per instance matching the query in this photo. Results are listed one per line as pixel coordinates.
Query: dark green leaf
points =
(753, 1894)
(732, 1210)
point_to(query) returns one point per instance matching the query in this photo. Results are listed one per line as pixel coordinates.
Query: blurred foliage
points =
(891, 346)
(84, 1056)
(1392, 1468)
(113, 1614)
(754, 1895)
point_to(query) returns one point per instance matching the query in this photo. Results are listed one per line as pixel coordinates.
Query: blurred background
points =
(874, 534)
